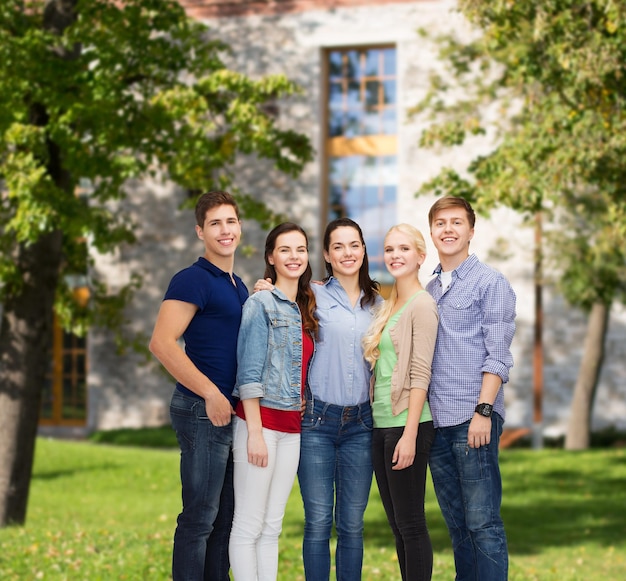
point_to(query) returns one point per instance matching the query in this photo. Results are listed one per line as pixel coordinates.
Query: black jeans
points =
(402, 493)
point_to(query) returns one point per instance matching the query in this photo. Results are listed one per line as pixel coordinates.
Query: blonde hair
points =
(371, 339)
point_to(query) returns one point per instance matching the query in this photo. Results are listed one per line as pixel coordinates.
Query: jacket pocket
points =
(279, 334)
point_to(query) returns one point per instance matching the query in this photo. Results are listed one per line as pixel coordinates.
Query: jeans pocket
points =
(366, 420)
(311, 421)
(185, 425)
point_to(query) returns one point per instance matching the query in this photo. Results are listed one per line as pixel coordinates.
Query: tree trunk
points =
(27, 318)
(579, 424)
(25, 341)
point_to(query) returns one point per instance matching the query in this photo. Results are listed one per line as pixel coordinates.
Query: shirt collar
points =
(462, 269)
(332, 281)
(280, 295)
(215, 270)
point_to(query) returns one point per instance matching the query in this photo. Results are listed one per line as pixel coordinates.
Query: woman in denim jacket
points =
(274, 347)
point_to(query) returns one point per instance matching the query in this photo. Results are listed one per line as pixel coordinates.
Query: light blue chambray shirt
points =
(476, 328)
(338, 374)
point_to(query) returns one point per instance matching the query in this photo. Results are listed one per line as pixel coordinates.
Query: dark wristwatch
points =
(484, 409)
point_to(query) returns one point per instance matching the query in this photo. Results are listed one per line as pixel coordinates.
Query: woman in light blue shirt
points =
(335, 471)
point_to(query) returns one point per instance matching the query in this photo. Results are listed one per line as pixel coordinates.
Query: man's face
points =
(221, 232)
(451, 233)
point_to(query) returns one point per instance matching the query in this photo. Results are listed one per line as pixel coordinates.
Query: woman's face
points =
(401, 256)
(345, 252)
(290, 256)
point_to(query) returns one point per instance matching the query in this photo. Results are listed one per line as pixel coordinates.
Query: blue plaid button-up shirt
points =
(476, 328)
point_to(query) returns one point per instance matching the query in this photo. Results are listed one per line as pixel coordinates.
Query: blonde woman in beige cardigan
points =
(399, 346)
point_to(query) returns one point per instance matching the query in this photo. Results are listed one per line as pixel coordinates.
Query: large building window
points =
(361, 143)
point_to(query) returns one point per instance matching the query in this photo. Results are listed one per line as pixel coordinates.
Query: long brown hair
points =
(305, 298)
(369, 286)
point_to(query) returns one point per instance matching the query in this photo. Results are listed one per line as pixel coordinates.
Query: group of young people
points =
(329, 382)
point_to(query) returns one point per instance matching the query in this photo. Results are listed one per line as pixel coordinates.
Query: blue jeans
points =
(335, 476)
(206, 474)
(469, 490)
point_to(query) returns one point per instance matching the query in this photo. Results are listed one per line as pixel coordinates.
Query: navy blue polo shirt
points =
(211, 337)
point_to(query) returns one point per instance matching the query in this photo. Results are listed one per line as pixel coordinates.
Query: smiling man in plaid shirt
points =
(472, 360)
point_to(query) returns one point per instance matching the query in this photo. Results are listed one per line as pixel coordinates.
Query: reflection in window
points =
(361, 143)
(362, 92)
(364, 189)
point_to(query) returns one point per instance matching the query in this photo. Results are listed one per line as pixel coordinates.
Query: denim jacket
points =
(269, 351)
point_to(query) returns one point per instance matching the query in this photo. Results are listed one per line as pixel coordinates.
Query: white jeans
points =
(261, 495)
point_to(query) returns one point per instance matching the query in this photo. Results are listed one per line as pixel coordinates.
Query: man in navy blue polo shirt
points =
(203, 306)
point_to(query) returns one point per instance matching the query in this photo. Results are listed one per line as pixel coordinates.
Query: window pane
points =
(389, 62)
(335, 123)
(335, 95)
(389, 124)
(372, 96)
(372, 59)
(334, 64)
(46, 399)
(354, 94)
(353, 69)
(352, 127)
(371, 123)
(389, 92)
(67, 363)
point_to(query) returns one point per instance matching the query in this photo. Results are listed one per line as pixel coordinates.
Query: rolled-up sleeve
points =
(253, 333)
(498, 327)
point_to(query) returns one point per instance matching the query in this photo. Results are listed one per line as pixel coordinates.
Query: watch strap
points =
(484, 409)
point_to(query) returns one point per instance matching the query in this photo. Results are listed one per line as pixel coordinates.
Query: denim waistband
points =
(343, 411)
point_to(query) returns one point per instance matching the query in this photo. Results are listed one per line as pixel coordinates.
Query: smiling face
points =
(221, 234)
(401, 255)
(345, 251)
(451, 233)
(290, 256)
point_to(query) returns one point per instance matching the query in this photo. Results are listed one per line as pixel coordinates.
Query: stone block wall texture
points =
(124, 392)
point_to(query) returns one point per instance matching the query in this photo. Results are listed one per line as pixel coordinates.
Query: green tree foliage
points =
(102, 91)
(548, 80)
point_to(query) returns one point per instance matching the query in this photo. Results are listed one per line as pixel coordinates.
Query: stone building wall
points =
(291, 40)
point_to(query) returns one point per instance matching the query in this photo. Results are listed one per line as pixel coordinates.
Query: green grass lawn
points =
(100, 512)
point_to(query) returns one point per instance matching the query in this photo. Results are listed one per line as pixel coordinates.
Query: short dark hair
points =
(210, 200)
(452, 202)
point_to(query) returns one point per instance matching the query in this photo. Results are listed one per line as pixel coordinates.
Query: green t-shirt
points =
(381, 409)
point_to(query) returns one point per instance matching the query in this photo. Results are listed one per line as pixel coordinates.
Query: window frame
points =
(370, 145)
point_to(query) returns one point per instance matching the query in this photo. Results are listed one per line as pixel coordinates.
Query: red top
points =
(281, 420)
